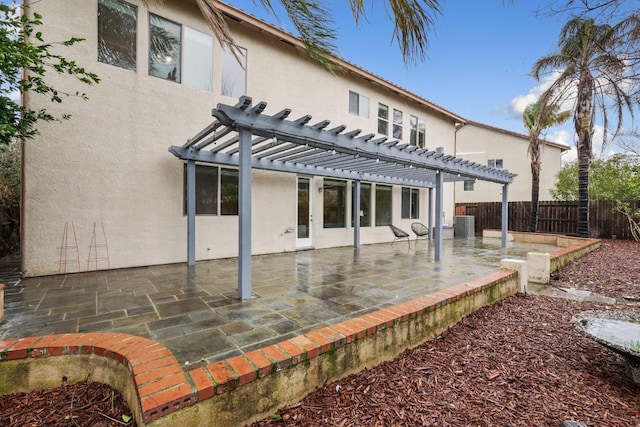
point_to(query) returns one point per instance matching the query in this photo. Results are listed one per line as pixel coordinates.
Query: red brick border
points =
(163, 387)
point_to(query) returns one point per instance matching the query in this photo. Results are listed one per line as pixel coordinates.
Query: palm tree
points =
(312, 19)
(538, 117)
(592, 64)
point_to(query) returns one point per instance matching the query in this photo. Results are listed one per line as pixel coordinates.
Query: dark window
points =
(410, 203)
(334, 203)
(468, 184)
(117, 33)
(383, 205)
(210, 192)
(365, 205)
(229, 192)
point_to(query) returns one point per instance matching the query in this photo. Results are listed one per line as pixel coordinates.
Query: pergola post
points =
(439, 211)
(244, 237)
(191, 212)
(356, 215)
(430, 216)
(505, 213)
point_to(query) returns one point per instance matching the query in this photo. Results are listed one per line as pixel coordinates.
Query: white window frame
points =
(359, 105)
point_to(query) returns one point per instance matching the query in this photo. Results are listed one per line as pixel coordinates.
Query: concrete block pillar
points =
(539, 267)
(521, 267)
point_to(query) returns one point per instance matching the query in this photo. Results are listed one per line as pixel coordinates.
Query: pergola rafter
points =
(244, 137)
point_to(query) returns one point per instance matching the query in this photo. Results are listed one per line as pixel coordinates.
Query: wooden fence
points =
(553, 217)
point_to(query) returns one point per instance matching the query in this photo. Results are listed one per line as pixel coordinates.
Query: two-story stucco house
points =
(106, 179)
(501, 148)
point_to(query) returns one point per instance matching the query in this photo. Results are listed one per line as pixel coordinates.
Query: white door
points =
(304, 221)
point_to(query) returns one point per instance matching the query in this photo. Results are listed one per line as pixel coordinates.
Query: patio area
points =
(195, 312)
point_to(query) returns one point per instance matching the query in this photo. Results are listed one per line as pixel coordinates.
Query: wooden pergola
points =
(244, 137)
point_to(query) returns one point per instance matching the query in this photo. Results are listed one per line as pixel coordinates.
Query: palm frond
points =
(414, 20)
(315, 27)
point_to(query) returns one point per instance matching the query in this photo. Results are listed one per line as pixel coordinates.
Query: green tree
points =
(537, 118)
(313, 21)
(25, 60)
(9, 196)
(592, 68)
(612, 178)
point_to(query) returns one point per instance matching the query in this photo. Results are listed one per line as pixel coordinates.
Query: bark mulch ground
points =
(518, 362)
(82, 404)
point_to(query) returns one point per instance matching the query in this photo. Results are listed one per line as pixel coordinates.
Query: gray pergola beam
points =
(263, 164)
(264, 125)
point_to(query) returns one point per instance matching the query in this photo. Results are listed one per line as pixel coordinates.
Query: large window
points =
(228, 191)
(164, 48)
(410, 203)
(234, 73)
(383, 204)
(383, 119)
(214, 187)
(365, 205)
(358, 105)
(397, 124)
(418, 131)
(334, 203)
(117, 33)
(198, 59)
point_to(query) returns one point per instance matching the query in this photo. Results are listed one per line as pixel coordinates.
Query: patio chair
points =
(400, 234)
(420, 230)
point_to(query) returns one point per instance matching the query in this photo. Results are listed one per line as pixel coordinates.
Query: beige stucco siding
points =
(480, 143)
(110, 164)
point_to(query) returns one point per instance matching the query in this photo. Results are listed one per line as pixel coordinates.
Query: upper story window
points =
(234, 73)
(383, 119)
(198, 59)
(418, 131)
(117, 33)
(358, 105)
(397, 124)
(164, 48)
(495, 163)
(469, 184)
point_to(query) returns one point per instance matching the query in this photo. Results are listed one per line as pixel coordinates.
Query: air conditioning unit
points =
(464, 227)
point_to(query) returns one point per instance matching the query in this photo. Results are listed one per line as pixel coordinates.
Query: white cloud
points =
(519, 103)
(569, 156)
(565, 137)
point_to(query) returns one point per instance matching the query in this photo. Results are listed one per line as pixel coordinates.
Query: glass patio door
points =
(304, 220)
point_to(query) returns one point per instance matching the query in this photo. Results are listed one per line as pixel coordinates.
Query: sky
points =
(478, 62)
